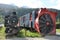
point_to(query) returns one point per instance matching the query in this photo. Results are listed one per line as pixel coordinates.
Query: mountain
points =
(24, 7)
(5, 9)
(7, 6)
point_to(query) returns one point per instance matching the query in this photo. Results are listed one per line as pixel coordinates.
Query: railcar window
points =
(30, 16)
(23, 19)
(36, 14)
(31, 24)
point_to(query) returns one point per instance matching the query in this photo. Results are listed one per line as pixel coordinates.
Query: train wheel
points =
(45, 23)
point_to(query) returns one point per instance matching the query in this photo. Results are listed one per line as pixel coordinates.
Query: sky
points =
(33, 3)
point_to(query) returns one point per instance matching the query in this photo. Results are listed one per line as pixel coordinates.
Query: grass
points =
(2, 33)
(31, 34)
(27, 33)
(22, 33)
(58, 27)
(57, 22)
(58, 30)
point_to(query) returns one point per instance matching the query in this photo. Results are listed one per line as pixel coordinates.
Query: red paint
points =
(42, 12)
(53, 16)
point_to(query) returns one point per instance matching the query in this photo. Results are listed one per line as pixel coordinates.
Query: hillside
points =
(5, 9)
(8, 9)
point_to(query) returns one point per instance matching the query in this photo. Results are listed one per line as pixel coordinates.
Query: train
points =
(11, 24)
(41, 20)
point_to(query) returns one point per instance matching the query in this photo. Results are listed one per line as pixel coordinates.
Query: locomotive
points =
(11, 22)
(42, 20)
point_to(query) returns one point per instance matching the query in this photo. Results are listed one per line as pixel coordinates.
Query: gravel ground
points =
(42, 38)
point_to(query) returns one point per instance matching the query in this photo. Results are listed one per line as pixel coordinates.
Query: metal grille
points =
(45, 23)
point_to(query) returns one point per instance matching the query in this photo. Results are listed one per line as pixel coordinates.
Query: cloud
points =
(57, 6)
(51, 4)
(20, 3)
(34, 3)
(5, 1)
(30, 3)
(51, 1)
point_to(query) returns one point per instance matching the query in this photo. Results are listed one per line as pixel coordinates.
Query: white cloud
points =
(6, 1)
(20, 3)
(32, 3)
(29, 3)
(57, 6)
(51, 1)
